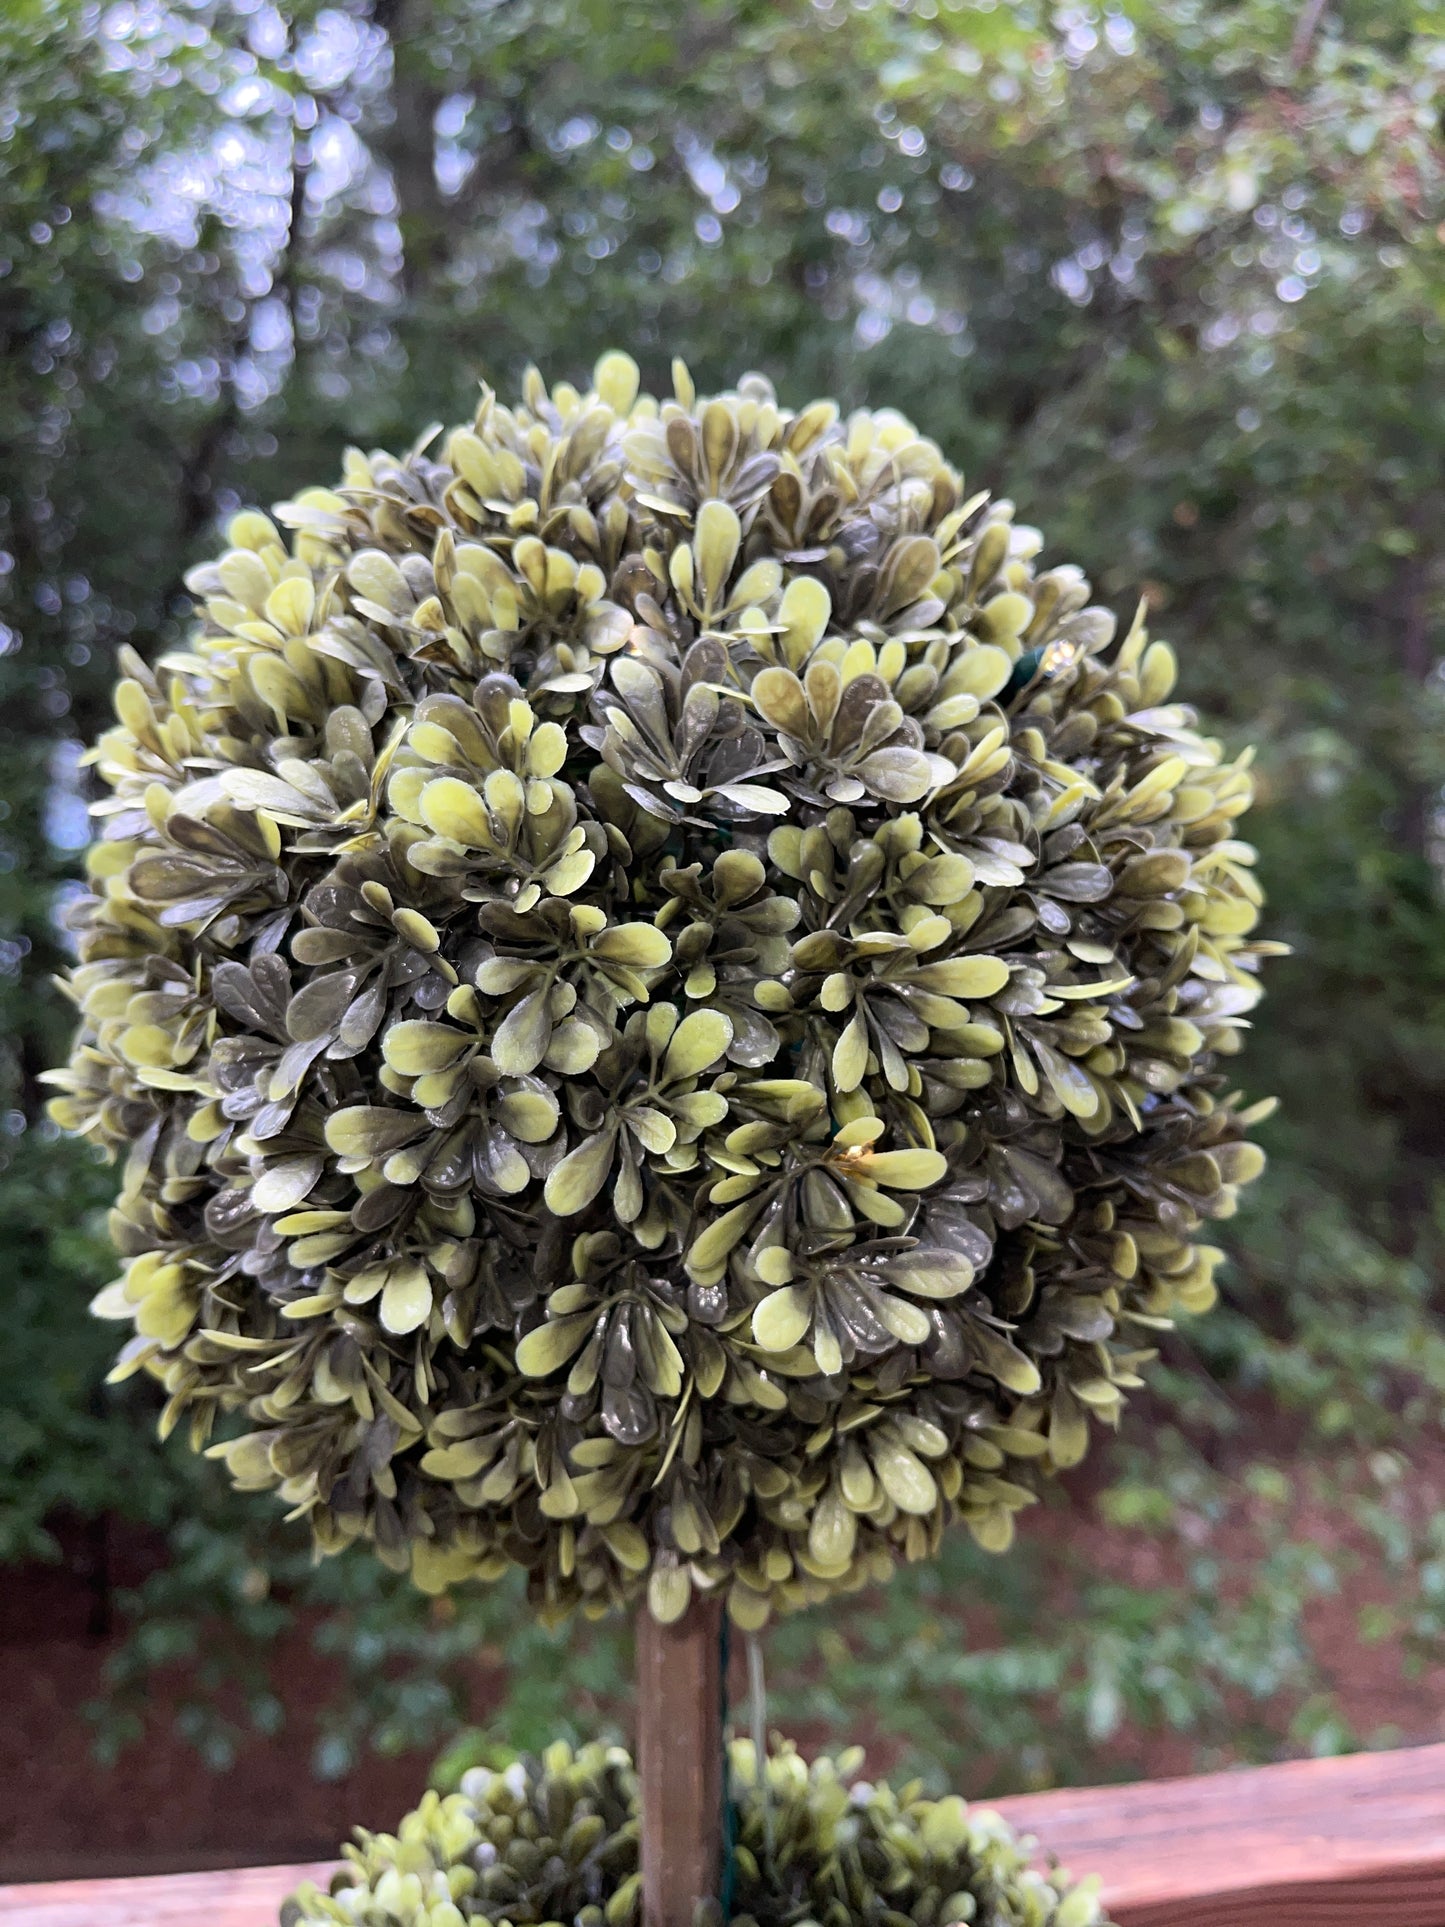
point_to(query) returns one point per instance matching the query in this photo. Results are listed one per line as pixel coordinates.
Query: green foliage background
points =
(1171, 273)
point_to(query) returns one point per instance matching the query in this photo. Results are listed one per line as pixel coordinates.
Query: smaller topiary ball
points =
(556, 1839)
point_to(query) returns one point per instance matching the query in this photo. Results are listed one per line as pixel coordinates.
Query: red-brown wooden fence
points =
(1358, 1841)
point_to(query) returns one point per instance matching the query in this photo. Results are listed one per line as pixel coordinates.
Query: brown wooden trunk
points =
(680, 1761)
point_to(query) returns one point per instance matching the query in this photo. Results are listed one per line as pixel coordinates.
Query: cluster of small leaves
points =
(661, 991)
(556, 1839)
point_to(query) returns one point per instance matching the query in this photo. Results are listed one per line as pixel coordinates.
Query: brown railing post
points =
(680, 1761)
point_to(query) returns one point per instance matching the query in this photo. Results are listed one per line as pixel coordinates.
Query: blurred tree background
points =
(1171, 274)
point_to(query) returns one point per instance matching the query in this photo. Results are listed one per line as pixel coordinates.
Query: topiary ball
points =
(661, 993)
(556, 1840)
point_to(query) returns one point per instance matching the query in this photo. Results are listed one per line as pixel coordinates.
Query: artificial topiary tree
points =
(556, 1839)
(661, 992)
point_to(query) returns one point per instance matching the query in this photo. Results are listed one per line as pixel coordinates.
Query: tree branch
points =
(1304, 34)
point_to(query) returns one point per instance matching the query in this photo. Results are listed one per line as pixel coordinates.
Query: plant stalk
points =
(680, 1761)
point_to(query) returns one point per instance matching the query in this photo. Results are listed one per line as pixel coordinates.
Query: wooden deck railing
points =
(1358, 1841)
